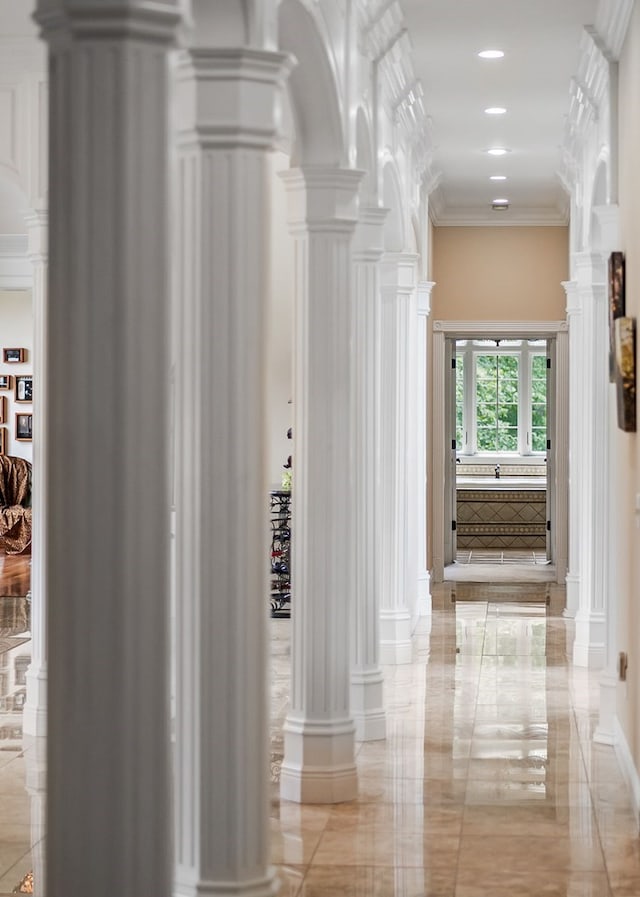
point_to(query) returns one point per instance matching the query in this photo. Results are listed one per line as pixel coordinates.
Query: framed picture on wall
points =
(3, 440)
(24, 388)
(14, 356)
(3, 410)
(6, 381)
(24, 427)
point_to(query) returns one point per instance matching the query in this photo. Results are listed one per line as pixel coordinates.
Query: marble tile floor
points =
(489, 783)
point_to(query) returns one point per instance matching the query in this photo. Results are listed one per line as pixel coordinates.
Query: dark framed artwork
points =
(3, 410)
(6, 381)
(3, 441)
(625, 346)
(24, 427)
(14, 356)
(616, 304)
(24, 388)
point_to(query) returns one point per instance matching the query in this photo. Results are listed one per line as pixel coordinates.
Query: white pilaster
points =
(34, 721)
(576, 353)
(222, 774)
(106, 437)
(366, 674)
(590, 628)
(397, 454)
(424, 578)
(319, 764)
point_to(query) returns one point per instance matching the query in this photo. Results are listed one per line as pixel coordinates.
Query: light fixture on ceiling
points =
(498, 177)
(495, 110)
(491, 54)
(497, 151)
(500, 205)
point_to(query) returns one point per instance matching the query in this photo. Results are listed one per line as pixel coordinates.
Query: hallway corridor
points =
(489, 784)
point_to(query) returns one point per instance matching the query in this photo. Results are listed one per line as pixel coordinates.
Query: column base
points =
(589, 645)
(259, 887)
(605, 732)
(424, 594)
(319, 762)
(572, 581)
(367, 705)
(395, 637)
(34, 714)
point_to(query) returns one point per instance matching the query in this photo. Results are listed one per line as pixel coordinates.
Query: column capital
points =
(399, 271)
(424, 297)
(37, 221)
(573, 300)
(147, 20)
(368, 241)
(590, 268)
(322, 198)
(230, 97)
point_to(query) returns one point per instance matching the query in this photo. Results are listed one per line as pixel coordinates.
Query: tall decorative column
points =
(35, 769)
(366, 674)
(34, 721)
(222, 710)
(399, 560)
(319, 761)
(576, 351)
(108, 806)
(424, 579)
(590, 622)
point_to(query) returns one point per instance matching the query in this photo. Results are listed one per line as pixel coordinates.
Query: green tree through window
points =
(497, 403)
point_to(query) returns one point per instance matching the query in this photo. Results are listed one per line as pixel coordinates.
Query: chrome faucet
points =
(497, 469)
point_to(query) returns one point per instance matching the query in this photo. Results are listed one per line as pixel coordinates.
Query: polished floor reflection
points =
(489, 783)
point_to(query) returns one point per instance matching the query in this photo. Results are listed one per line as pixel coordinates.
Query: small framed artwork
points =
(3, 441)
(24, 388)
(625, 345)
(3, 410)
(616, 304)
(6, 381)
(14, 356)
(24, 427)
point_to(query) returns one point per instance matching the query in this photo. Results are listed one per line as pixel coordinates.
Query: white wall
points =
(16, 331)
(280, 323)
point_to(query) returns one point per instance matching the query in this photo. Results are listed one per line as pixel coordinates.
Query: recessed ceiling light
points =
(495, 110)
(497, 151)
(500, 202)
(498, 177)
(491, 54)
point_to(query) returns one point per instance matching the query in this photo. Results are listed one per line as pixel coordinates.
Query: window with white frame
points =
(501, 397)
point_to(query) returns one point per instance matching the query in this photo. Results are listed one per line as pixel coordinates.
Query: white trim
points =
(465, 330)
(629, 771)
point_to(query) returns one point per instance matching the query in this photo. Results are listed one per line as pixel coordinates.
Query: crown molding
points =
(612, 22)
(474, 217)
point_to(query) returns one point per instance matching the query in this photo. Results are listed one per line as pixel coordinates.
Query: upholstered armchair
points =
(15, 504)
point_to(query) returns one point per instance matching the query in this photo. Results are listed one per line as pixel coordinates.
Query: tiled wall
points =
(501, 518)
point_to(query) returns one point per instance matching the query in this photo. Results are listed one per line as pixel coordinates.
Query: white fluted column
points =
(397, 452)
(222, 711)
(108, 806)
(366, 674)
(424, 577)
(319, 764)
(590, 628)
(576, 350)
(34, 721)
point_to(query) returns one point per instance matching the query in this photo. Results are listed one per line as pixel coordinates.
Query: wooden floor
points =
(15, 575)
(15, 582)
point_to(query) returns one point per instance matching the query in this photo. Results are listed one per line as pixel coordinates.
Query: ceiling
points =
(541, 43)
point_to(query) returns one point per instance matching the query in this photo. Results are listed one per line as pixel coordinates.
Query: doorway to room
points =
(499, 496)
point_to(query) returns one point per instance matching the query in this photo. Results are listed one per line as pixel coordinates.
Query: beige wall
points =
(500, 273)
(16, 331)
(625, 447)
